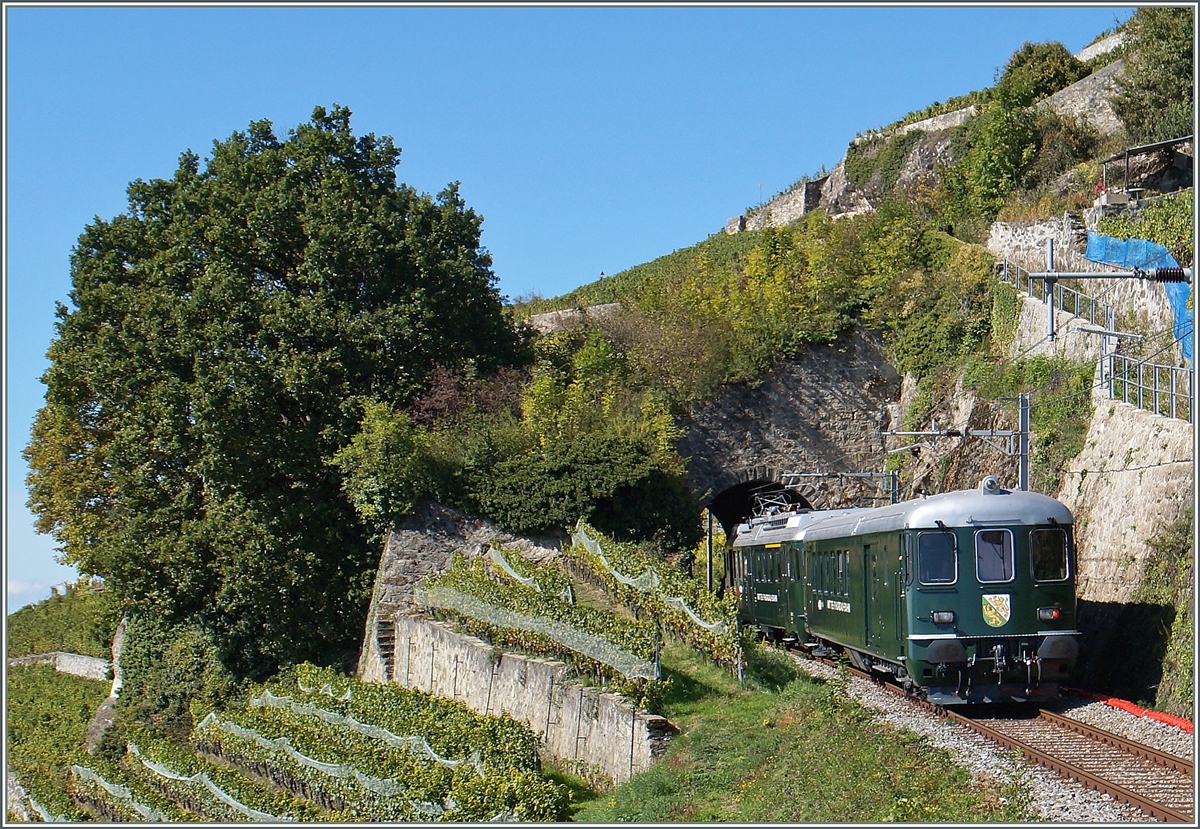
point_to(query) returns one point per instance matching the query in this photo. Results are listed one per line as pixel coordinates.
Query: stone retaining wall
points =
(1132, 479)
(596, 734)
(90, 667)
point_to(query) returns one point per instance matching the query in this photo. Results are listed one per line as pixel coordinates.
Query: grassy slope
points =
(805, 753)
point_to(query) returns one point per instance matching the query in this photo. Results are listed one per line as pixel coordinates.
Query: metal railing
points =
(1065, 299)
(1162, 389)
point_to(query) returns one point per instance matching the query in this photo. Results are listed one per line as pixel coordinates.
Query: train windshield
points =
(994, 555)
(937, 559)
(1048, 554)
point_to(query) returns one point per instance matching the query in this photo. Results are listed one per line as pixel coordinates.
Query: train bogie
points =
(967, 596)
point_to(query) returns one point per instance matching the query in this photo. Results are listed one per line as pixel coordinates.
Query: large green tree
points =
(223, 329)
(1155, 97)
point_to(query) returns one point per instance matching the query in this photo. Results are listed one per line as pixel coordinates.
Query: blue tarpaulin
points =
(1140, 253)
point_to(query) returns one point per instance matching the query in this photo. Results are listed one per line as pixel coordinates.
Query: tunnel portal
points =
(737, 504)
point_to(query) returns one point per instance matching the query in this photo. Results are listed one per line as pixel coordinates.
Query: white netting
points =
(588, 644)
(500, 561)
(390, 787)
(120, 792)
(679, 604)
(47, 817)
(326, 689)
(645, 582)
(202, 779)
(415, 743)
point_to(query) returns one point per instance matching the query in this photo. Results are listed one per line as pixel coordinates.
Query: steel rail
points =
(1063, 767)
(1086, 778)
(1161, 758)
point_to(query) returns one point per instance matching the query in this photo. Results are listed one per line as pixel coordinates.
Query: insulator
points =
(1170, 275)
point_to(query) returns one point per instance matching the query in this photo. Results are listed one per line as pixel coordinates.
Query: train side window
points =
(937, 558)
(1048, 555)
(994, 555)
(844, 572)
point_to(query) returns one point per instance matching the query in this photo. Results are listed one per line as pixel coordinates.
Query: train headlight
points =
(1049, 614)
(943, 617)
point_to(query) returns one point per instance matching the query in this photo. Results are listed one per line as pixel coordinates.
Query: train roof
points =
(986, 505)
(785, 526)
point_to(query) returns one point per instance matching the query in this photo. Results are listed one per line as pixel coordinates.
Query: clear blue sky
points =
(590, 139)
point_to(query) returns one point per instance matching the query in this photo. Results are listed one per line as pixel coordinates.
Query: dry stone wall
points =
(1133, 478)
(824, 410)
(599, 734)
(90, 667)
(1091, 98)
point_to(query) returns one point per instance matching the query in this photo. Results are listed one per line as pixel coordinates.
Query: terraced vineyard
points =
(314, 745)
(319, 747)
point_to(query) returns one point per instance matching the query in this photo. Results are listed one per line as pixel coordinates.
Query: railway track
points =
(1159, 784)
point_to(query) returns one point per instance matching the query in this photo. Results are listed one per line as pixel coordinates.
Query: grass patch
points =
(805, 754)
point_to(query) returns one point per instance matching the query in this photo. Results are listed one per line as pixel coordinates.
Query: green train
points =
(964, 597)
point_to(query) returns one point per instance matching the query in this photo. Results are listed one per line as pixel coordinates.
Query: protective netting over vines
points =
(415, 743)
(497, 556)
(120, 792)
(646, 582)
(680, 605)
(202, 779)
(590, 645)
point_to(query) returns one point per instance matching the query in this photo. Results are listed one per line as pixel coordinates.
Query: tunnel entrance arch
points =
(736, 504)
(735, 493)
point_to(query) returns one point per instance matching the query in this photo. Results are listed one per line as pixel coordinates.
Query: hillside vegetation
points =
(235, 503)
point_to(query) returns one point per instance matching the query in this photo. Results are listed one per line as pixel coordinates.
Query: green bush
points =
(1038, 70)
(1155, 96)
(164, 668)
(613, 482)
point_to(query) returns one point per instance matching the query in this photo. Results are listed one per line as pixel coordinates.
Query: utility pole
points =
(710, 560)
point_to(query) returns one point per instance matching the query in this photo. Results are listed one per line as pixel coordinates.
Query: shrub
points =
(1154, 98)
(164, 668)
(615, 483)
(1038, 70)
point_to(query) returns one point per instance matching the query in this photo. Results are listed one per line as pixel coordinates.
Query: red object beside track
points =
(1137, 710)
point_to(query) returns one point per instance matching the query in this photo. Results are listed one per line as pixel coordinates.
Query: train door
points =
(871, 599)
(881, 603)
(795, 589)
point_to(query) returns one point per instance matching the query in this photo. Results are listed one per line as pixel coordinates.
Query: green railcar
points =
(964, 597)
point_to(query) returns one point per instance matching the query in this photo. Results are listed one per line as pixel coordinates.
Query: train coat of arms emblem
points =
(996, 609)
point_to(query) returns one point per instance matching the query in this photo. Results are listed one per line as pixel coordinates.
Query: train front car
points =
(989, 582)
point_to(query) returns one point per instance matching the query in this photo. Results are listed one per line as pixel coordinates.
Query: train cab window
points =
(1048, 555)
(994, 555)
(937, 558)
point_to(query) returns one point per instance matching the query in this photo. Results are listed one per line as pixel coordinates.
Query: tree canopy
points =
(1155, 96)
(225, 331)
